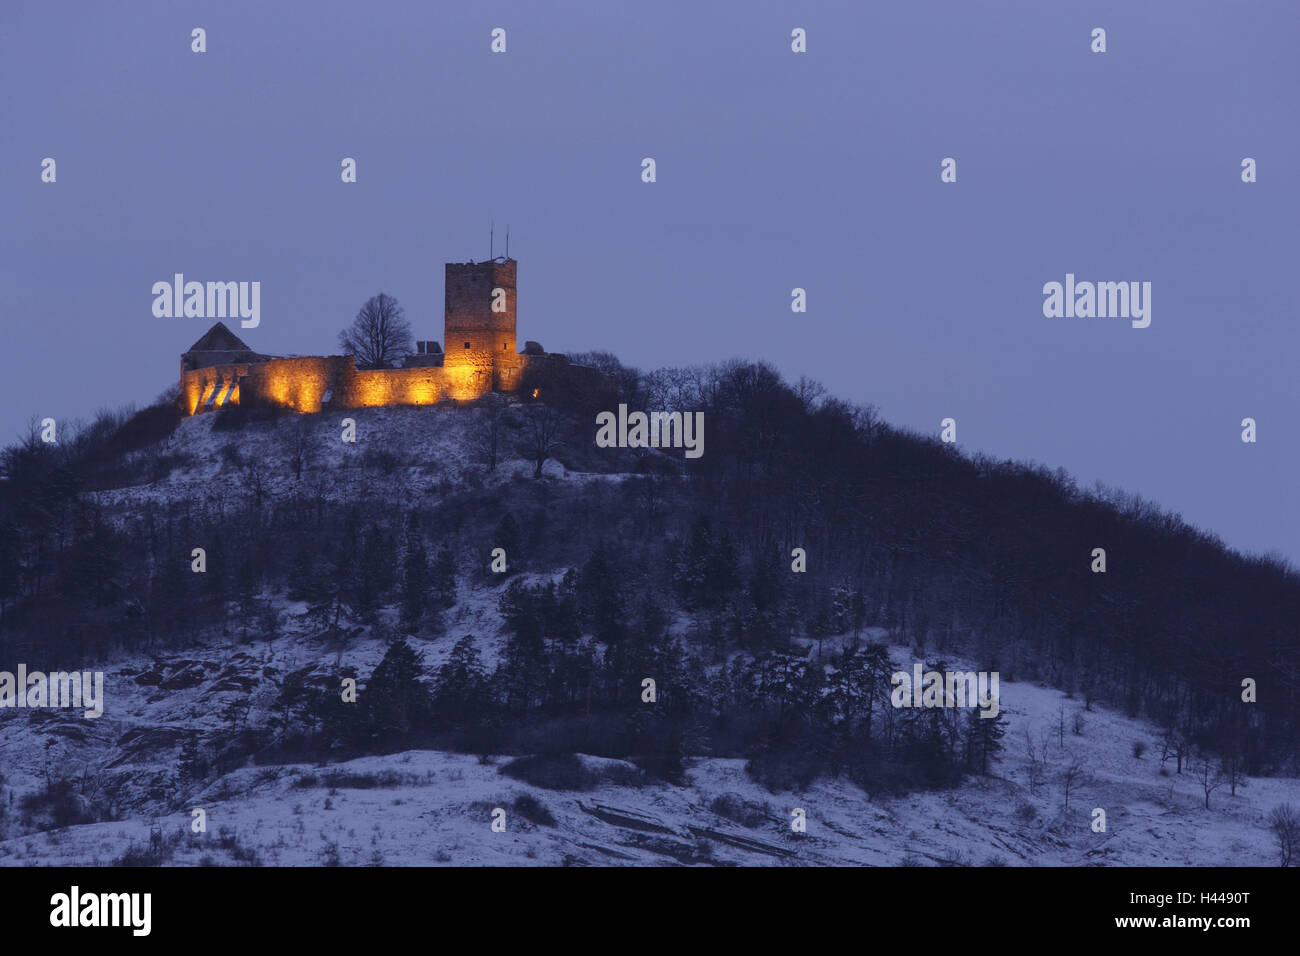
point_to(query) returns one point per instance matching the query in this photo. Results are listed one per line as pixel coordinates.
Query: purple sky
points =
(775, 170)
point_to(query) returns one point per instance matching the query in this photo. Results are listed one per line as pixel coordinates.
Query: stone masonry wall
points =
(475, 336)
(304, 383)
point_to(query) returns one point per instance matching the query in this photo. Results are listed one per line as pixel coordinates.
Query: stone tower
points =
(479, 343)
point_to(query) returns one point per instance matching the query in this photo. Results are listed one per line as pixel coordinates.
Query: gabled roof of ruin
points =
(219, 339)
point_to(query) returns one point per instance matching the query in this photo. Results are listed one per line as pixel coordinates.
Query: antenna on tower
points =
(507, 240)
(491, 239)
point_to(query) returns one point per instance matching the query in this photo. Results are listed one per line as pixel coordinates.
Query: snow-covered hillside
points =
(425, 807)
(399, 454)
(428, 807)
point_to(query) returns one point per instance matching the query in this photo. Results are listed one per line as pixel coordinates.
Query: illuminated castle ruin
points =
(479, 357)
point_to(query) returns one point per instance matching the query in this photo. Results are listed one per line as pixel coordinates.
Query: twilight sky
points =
(775, 170)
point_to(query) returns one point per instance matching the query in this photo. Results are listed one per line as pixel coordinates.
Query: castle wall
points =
(209, 387)
(297, 383)
(407, 386)
(303, 383)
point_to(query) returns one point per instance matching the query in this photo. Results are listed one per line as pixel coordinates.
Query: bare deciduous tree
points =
(1090, 692)
(380, 335)
(809, 392)
(1210, 777)
(1073, 774)
(1037, 762)
(542, 436)
(1234, 771)
(1175, 745)
(491, 433)
(1284, 821)
(300, 446)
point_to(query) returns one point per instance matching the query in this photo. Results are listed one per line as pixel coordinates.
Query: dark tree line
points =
(553, 692)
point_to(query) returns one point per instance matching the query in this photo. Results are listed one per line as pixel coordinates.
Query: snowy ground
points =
(426, 807)
(436, 449)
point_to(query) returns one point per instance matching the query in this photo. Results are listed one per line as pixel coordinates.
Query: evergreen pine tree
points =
(415, 583)
(191, 767)
(378, 571)
(984, 738)
(306, 577)
(522, 609)
(724, 571)
(601, 597)
(525, 672)
(396, 702)
(461, 697)
(691, 569)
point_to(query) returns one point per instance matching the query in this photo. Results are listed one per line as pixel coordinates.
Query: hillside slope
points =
(432, 806)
